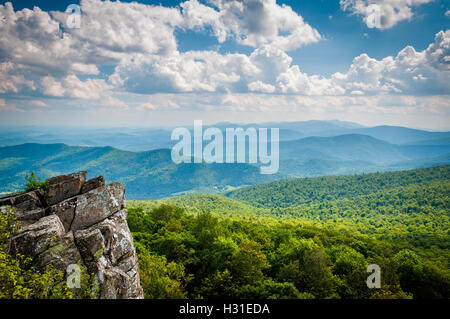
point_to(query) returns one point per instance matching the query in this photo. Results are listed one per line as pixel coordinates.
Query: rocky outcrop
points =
(78, 221)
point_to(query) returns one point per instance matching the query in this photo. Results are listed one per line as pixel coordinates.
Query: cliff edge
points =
(78, 221)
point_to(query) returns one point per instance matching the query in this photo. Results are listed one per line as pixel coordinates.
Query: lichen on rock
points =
(75, 221)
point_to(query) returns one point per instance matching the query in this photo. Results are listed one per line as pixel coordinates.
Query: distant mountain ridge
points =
(153, 175)
(147, 175)
(307, 149)
(144, 139)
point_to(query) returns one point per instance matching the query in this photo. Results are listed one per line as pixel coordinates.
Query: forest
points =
(305, 238)
(301, 238)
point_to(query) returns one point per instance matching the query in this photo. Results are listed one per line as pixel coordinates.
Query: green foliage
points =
(270, 289)
(148, 175)
(19, 280)
(307, 241)
(206, 256)
(35, 183)
(161, 279)
(249, 262)
(293, 192)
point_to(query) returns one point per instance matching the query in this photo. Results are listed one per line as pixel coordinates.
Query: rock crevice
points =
(74, 221)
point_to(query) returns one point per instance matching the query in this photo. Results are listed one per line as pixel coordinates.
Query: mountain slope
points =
(300, 191)
(350, 147)
(143, 139)
(146, 174)
(197, 203)
(152, 174)
(353, 154)
(399, 134)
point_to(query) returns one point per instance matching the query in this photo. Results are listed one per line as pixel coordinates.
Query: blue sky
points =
(251, 61)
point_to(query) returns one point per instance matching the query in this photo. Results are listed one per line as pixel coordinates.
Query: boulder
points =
(65, 210)
(22, 202)
(61, 255)
(93, 183)
(30, 217)
(63, 187)
(74, 222)
(97, 205)
(38, 237)
(91, 244)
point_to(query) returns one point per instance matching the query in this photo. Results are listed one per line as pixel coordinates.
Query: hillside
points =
(351, 147)
(399, 134)
(144, 139)
(398, 220)
(153, 175)
(315, 190)
(414, 203)
(198, 203)
(148, 175)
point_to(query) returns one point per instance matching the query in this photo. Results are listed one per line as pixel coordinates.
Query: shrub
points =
(35, 183)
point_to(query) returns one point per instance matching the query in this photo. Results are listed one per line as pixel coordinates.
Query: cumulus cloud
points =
(250, 22)
(382, 14)
(12, 80)
(115, 29)
(270, 70)
(35, 41)
(411, 72)
(259, 86)
(39, 54)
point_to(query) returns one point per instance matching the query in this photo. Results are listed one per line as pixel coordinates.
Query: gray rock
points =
(63, 187)
(93, 183)
(61, 255)
(29, 217)
(78, 222)
(91, 244)
(38, 237)
(65, 210)
(22, 202)
(97, 205)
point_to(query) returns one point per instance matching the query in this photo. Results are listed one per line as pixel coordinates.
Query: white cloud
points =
(11, 79)
(410, 72)
(115, 29)
(109, 101)
(8, 106)
(140, 41)
(147, 107)
(38, 103)
(250, 22)
(34, 40)
(53, 56)
(386, 12)
(52, 87)
(259, 86)
(269, 69)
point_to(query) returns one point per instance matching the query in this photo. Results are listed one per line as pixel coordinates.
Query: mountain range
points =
(306, 150)
(144, 139)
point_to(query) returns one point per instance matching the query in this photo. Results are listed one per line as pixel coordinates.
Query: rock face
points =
(79, 221)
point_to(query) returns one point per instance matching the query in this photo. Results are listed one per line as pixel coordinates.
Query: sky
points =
(157, 63)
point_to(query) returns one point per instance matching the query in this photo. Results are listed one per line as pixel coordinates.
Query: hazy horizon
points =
(189, 124)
